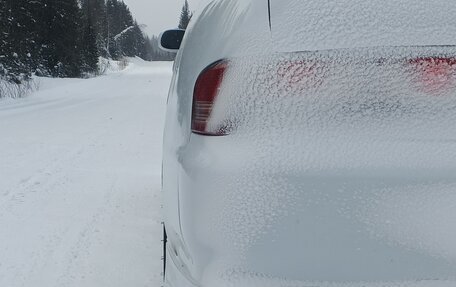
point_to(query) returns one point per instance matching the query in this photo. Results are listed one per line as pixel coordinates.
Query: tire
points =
(165, 241)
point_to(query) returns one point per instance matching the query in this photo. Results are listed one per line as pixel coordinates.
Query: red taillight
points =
(434, 74)
(207, 88)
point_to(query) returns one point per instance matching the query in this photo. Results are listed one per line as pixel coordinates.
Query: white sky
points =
(158, 15)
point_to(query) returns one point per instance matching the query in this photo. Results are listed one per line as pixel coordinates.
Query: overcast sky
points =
(158, 15)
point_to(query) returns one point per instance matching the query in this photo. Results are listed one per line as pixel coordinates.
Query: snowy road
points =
(80, 181)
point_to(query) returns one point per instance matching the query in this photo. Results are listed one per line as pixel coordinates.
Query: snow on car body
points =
(310, 143)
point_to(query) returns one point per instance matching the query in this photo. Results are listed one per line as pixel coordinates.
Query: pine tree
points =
(89, 50)
(120, 24)
(185, 16)
(125, 35)
(95, 12)
(4, 40)
(19, 38)
(63, 38)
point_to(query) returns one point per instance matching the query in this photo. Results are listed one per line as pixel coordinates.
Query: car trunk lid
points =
(298, 25)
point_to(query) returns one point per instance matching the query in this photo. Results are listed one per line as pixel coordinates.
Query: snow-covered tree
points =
(18, 40)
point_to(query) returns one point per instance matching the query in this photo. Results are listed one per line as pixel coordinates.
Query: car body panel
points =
(246, 25)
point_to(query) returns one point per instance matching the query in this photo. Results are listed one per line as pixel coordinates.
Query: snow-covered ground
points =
(80, 164)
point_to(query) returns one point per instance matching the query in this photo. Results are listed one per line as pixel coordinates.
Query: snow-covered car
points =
(312, 143)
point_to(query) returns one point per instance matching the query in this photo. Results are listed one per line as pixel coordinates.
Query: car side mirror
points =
(171, 40)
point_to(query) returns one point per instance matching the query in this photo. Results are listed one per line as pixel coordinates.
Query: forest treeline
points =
(65, 38)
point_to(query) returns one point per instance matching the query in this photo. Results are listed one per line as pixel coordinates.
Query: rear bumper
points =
(257, 215)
